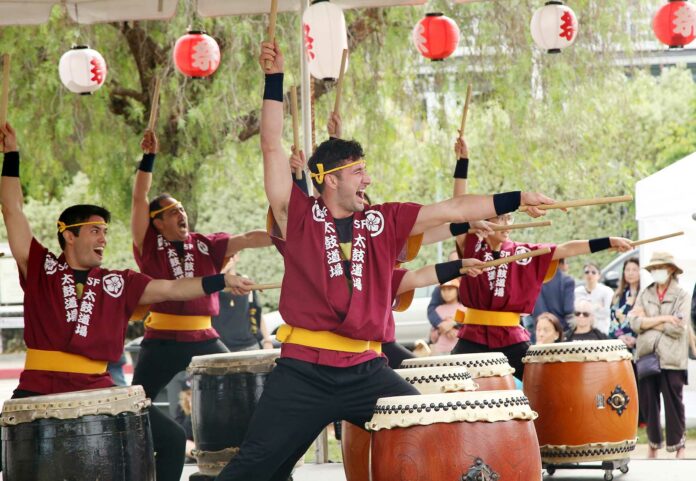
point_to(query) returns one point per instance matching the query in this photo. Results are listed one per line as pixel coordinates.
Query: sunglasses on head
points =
(582, 313)
(591, 272)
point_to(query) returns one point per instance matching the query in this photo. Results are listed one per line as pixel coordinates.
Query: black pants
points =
(669, 383)
(396, 353)
(514, 353)
(158, 362)
(298, 401)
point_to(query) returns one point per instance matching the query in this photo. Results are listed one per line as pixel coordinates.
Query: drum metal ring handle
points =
(618, 400)
(480, 471)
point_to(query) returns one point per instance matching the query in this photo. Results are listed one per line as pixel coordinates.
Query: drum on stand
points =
(587, 400)
(96, 434)
(490, 370)
(355, 441)
(225, 391)
(467, 436)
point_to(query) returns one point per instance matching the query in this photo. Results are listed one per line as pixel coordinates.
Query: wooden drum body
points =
(490, 370)
(457, 436)
(100, 434)
(586, 396)
(355, 441)
(225, 391)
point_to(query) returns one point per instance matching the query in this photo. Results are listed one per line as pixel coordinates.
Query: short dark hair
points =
(156, 204)
(80, 213)
(333, 153)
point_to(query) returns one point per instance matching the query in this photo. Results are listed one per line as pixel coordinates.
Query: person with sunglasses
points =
(600, 295)
(583, 328)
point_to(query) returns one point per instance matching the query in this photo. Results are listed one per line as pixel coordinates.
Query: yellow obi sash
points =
(58, 361)
(325, 340)
(487, 318)
(172, 322)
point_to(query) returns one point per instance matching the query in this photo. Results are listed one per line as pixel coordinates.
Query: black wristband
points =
(446, 271)
(600, 244)
(214, 283)
(10, 164)
(274, 87)
(507, 202)
(461, 171)
(147, 163)
(459, 228)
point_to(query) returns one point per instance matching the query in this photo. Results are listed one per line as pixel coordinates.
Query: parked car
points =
(411, 325)
(611, 273)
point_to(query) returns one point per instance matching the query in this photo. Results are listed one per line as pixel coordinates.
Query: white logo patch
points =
(318, 213)
(50, 264)
(522, 250)
(114, 285)
(374, 222)
(202, 247)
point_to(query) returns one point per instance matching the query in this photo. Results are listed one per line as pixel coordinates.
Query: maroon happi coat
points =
(93, 326)
(508, 288)
(315, 293)
(204, 255)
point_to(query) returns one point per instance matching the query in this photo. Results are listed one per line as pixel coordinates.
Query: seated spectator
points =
(557, 297)
(598, 294)
(548, 329)
(583, 324)
(444, 337)
(623, 301)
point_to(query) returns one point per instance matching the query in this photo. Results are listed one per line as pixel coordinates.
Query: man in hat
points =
(75, 311)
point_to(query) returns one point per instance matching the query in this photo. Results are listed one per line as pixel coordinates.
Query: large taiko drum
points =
(467, 436)
(225, 391)
(587, 400)
(86, 435)
(355, 441)
(490, 370)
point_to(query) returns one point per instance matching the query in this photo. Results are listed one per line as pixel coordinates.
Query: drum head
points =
(258, 361)
(72, 405)
(580, 351)
(439, 379)
(485, 364)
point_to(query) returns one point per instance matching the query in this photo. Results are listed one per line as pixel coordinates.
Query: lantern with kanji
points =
(554, 27)
(436, 36)
(675, 24)
(82, 70)
(325, 38)
(196, 54)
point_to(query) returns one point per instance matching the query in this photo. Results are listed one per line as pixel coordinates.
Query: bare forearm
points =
(457, 209)
(271, 130)
(161, 290)
(425, 276)
(248, 240)
(571, 249)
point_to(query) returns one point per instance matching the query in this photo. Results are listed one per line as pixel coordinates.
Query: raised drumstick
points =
(527, 225)
(581, 202)
(655, 239)
(5, 94)
(295, 126)
(272, 27)
(465, 112)
(154, 106)
(508, 260)
(339, 83)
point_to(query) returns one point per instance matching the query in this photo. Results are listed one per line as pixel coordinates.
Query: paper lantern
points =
(196, 54)
(325, 37)
(675, 24)
(82, 70)
(554, 27)
(436, 36)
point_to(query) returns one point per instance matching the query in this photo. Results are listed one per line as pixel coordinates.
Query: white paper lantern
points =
(325, 37)
(554, 27)
(82, 70)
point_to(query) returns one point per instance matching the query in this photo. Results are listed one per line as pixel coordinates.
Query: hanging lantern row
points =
(675, 24)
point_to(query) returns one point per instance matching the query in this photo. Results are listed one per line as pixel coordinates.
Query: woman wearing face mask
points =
(623, 301)
(584, 324)
(659, 317)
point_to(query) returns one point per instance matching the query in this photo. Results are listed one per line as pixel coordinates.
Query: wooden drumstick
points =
(272, 27)
(508, 260)
(5, 94)
(154, 106)
(339, 83)
(581, 203)
(543, 223)
(295, 126)
(465, 113)
(655, 239)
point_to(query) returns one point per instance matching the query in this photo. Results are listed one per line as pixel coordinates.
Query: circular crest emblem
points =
(374, 222)
(318, 213)
(522, 250)
(202, 247)
(113, 285)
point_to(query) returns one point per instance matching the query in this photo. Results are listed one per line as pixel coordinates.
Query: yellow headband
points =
(155, 213)
(320, 167)
(62, 226)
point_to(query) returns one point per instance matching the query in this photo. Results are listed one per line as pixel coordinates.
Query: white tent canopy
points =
(665, 203)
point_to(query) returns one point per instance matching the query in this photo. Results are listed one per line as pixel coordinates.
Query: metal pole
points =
(305, 91)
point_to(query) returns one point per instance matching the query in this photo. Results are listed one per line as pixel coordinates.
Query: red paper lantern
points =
(436, 36)
(196, 54)
(675, 24)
